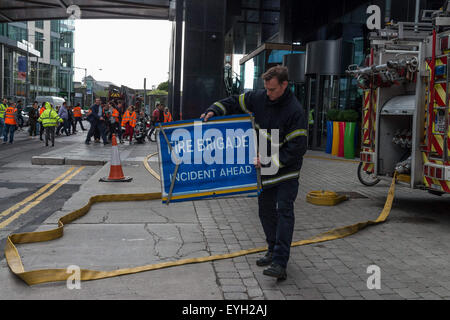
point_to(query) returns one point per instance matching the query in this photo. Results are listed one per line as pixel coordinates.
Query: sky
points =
(126, 51)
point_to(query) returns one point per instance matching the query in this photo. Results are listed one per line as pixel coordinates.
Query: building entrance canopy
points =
(30, 10)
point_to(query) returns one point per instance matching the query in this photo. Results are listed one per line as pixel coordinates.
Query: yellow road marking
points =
(39, 199)
(36, 194)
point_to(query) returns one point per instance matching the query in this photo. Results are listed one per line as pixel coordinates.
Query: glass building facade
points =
(50, 65)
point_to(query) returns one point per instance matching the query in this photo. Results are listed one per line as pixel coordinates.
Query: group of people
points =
(41, 118)
(105, 120)
(110, 118)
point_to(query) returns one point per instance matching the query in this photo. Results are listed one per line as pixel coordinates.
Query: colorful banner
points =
(22, 68)
(215, 158)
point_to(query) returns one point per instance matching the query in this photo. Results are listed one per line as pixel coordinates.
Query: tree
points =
(163, 86)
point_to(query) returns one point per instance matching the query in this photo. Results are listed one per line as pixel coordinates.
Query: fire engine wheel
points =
(366, 178)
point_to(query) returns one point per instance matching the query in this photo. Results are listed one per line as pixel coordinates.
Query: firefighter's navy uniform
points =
(276, 201)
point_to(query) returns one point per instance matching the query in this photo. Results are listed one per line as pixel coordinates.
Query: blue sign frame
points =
(215, 158)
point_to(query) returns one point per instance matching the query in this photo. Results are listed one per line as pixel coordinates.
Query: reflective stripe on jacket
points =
(167, 117)
(10, 116)
(50, 118)
(131, 118)
(115, 114)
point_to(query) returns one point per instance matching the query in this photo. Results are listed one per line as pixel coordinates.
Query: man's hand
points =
(206, 116)
(257, 163)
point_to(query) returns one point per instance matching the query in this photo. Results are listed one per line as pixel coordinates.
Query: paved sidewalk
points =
(411, 248)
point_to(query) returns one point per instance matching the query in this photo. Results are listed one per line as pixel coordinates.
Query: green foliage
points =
(342, 115)
(350, 115)
(332, 115)
(163, 86)
(158, 92)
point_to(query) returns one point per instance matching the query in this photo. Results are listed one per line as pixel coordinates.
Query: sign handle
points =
(172, 183)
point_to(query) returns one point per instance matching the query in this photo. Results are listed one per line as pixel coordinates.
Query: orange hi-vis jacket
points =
(41, 109)
(115, 114)
(10, 116)
(167, 117)
(77, 112)
(131, 118)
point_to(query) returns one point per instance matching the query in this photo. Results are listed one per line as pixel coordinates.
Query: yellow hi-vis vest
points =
(2, 110)
(50, 118)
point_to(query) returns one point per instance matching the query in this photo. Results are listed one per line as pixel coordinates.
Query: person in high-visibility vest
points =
(11, 121)
(41, 129)
(129, 122)
(49, 119)
(3, 107)
(115, 125)
(167, 115)
(78, 118)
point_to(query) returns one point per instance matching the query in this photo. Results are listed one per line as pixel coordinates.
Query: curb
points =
(39, 160)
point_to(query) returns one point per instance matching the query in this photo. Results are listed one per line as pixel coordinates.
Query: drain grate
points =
(352, 194)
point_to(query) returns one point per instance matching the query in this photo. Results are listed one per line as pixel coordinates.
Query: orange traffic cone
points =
(115, 171)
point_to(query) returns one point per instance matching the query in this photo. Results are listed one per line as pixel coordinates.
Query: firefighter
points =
(3, 107)
(49, 119)
(275, 107)
(11, 121)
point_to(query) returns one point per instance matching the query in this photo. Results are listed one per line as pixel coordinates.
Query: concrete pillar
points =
(203, 82)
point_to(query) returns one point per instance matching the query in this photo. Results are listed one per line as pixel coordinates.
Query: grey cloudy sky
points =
(127, 51)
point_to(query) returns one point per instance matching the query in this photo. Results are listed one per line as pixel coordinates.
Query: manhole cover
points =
(352, 194)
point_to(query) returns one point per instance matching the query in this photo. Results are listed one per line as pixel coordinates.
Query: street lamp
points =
(85, 82)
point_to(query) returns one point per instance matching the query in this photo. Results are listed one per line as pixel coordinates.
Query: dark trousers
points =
(276, 212)
(50, 135)
(114, 128)
(100, 126)
(41, 131)
(33, 128)
(78, 120)
(65, 125)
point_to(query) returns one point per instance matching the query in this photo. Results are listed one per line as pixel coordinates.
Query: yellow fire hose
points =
(51, 275)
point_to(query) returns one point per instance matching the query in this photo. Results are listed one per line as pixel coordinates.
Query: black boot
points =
(265, 261)
(276, 271)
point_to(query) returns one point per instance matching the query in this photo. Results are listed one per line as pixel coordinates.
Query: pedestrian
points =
(114, 123)
(63, 114)
(3, 107)
(157, 116)
(19, 115)
(49, 119)
(78, 118)
(274, 108)
(33, 117)
(41, 131)
(11, 121)
(97, 121)
(129, 122)
(71, 125)
(167, 115)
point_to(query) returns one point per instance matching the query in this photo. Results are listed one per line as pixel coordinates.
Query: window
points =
(17, 33)
(54, 26)
(39, 42)
(54, 49)
(39, 24)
